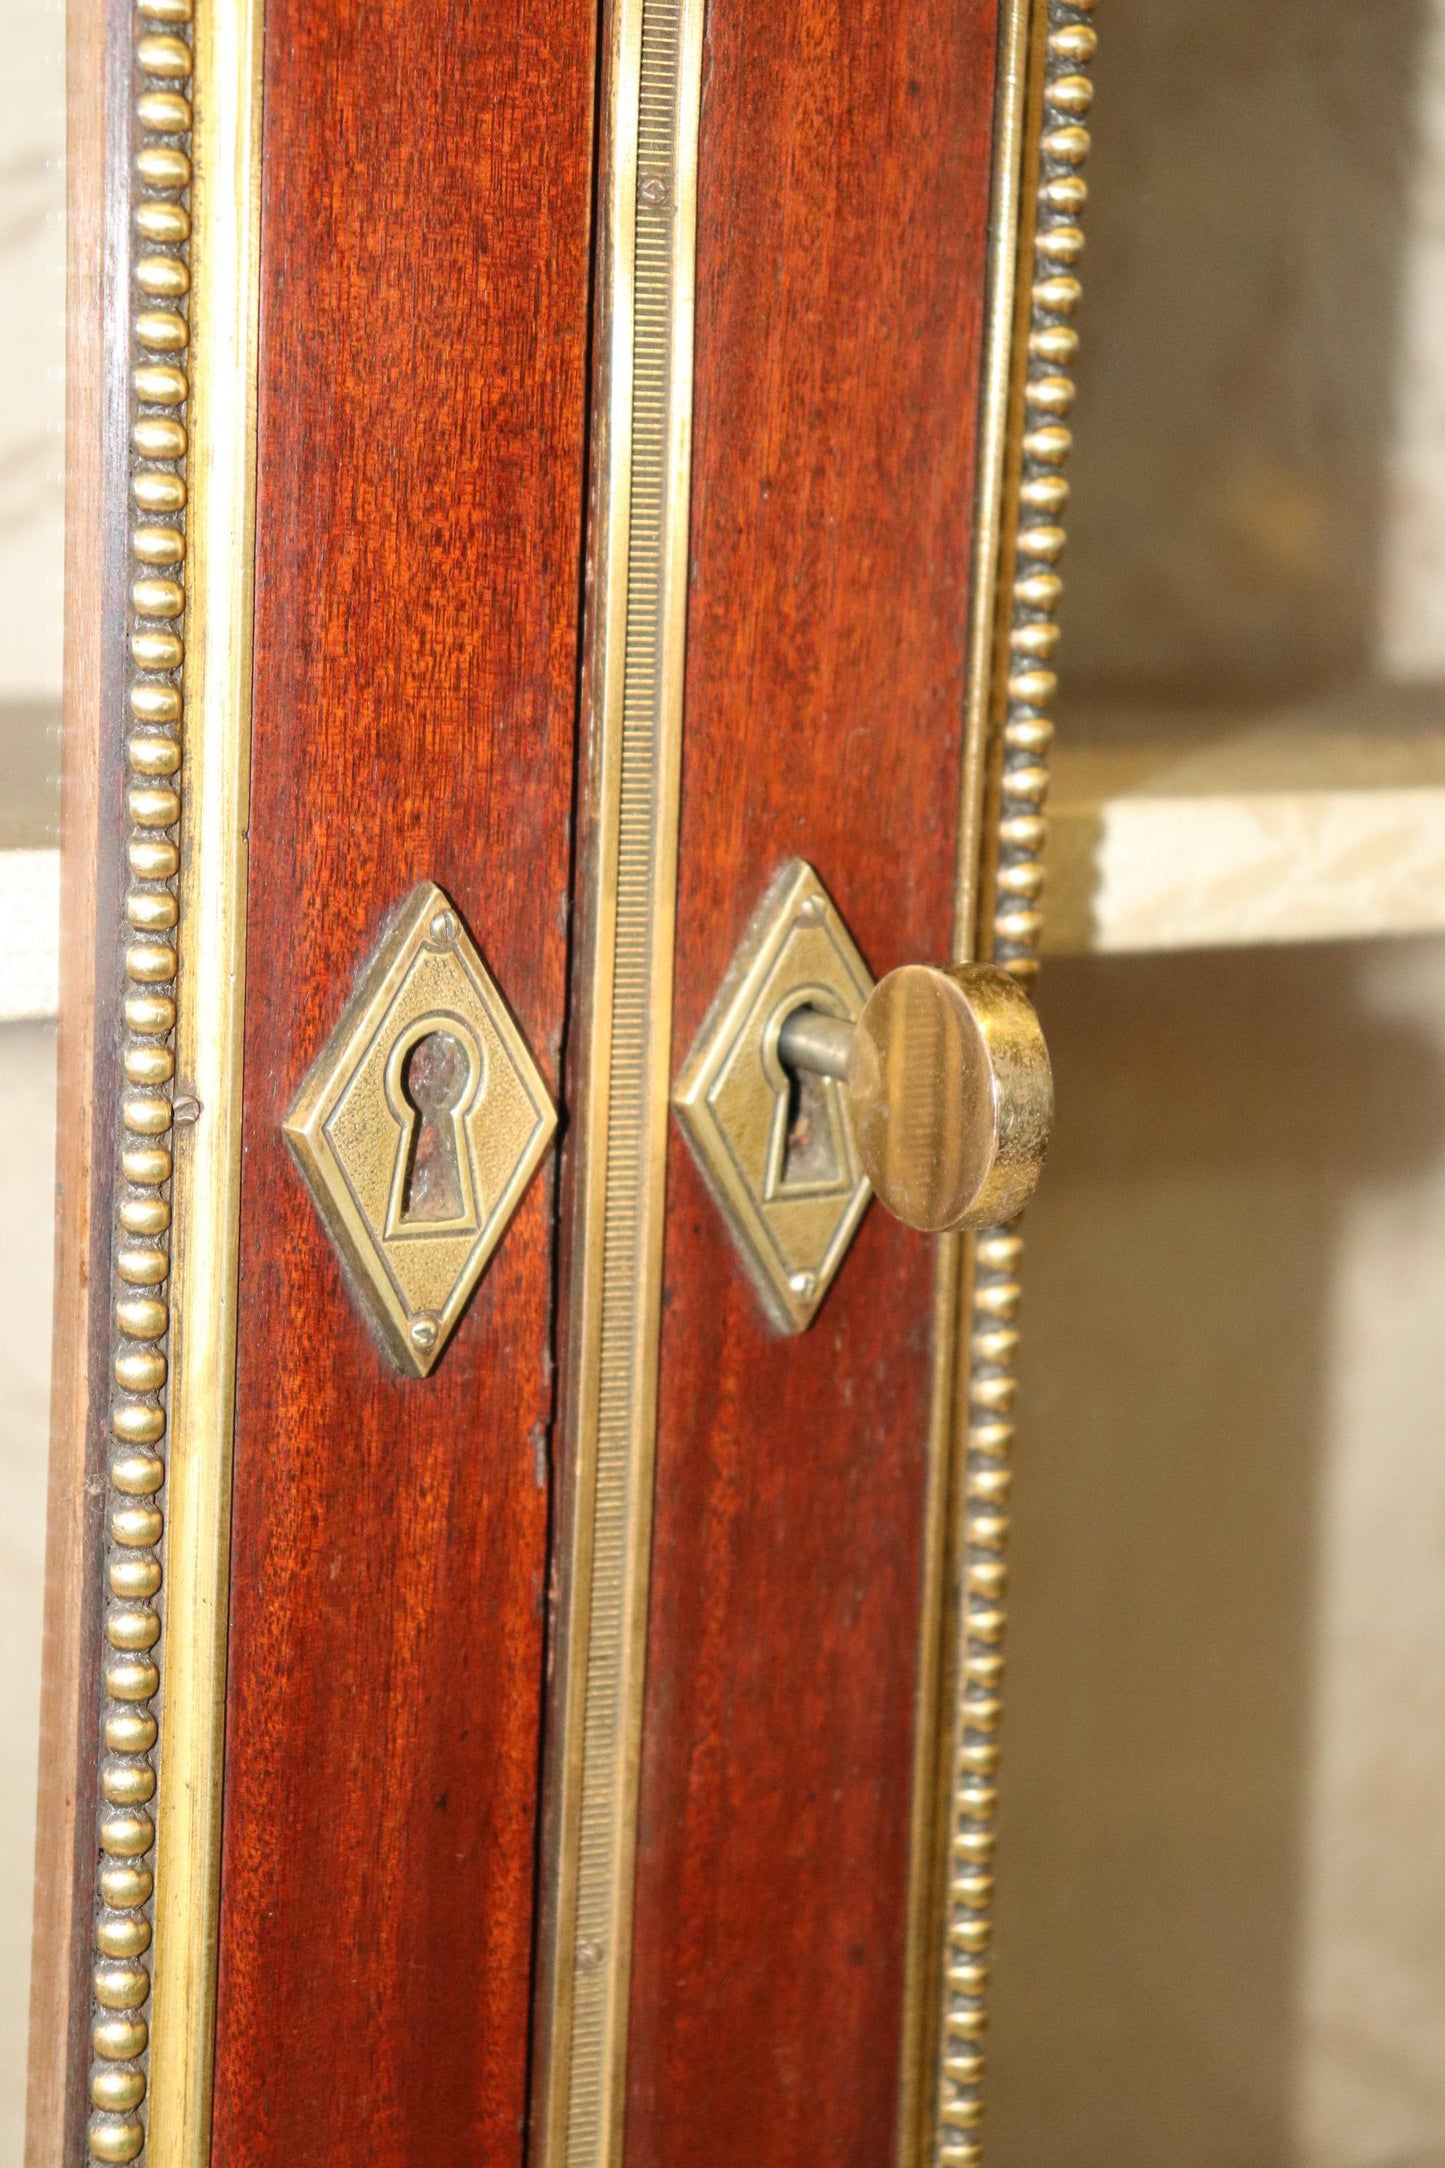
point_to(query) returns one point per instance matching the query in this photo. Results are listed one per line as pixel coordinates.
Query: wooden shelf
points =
(29, 934)
(1184, 832)
(1315, 824)
(29, 860)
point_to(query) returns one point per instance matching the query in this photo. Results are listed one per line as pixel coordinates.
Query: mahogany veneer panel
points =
(845, 158)
(425, 241)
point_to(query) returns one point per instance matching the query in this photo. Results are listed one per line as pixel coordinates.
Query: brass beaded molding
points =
(141, 1258)
(1033, 635)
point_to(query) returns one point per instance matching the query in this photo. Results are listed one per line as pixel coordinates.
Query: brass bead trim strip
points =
(141, 1259)
(1012, 923)
(185, 727)
(1029, 681)
(974, 1753)
(1021, 31)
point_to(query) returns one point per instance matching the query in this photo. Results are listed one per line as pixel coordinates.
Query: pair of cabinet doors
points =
(564, 507)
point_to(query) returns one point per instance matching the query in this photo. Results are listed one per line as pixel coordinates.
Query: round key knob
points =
(949, 1087)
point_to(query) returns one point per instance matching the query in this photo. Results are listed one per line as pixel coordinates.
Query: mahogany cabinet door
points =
(564, 504)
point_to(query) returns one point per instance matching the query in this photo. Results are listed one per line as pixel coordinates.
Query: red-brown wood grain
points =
(425, 287)
(843, 207)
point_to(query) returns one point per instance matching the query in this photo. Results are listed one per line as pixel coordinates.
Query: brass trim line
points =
(195, 210)
(225, 265)
(999, 377)
(643, 412)
(1031, 345)
(929, 1800)
(953, 1269)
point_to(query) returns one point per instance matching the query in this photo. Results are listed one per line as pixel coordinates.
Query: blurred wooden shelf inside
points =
(1179, 830)
(29, 861)
(1169, 829)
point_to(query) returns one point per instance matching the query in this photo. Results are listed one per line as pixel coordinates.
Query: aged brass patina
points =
(420, 1125)
(810, 1089)
(949, 1089)
(783, 1163)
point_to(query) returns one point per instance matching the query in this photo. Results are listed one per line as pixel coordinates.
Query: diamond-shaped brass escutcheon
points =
(777, 1150)
(419, 1126)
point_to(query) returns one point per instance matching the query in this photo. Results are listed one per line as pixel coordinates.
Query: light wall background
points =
(32, 356)
(32, 298)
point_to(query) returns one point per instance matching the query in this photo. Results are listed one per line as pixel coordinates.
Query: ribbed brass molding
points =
(642, 475)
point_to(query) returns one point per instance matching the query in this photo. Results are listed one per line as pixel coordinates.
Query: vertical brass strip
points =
(645, 309)
(1032, 344)
(997, 394)
(953, 1268)
(929, 1799)
(215, 779)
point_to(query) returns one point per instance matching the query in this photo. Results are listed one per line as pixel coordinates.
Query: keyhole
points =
(810, 1151)
(433, 1080)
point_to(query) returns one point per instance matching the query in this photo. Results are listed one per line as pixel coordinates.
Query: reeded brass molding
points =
(642, 469)
(194, 207)
(1036, 241)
